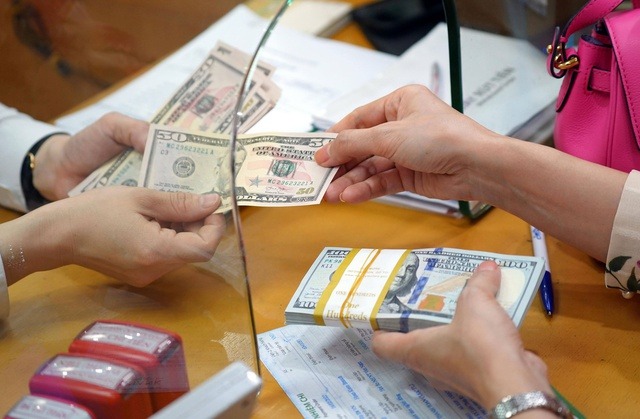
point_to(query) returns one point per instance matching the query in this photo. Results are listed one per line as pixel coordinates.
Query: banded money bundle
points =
(403, 290)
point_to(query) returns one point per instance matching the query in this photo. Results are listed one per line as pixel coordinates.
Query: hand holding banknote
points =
(402, 289)
(480, 354)
(188, 145)
(63, 160)
(271, 169)
(205, 102)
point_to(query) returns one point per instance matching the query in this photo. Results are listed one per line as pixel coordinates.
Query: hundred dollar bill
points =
(271, 169)
(401, 289)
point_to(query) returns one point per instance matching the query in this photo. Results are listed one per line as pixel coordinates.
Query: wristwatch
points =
(512, 405)
(32, 196)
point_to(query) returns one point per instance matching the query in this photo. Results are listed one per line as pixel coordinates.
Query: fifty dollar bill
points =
(204, 102)
(272, 169)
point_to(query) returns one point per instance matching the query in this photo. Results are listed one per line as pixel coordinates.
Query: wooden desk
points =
(589, 345)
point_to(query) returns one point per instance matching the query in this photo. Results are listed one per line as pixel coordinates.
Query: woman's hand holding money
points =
(480, 354)
(63, 161)
(132, 234)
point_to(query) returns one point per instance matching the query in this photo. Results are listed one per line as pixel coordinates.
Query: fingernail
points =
(340, 197)
(487, 265)
(209, 200)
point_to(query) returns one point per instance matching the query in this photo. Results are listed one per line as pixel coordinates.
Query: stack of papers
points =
(311, 71)
(498, 73)
(315, 17)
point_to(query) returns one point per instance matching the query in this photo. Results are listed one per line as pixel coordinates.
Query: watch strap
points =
(510, 406)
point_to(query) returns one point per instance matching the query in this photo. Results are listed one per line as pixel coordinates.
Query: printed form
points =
(330, 372)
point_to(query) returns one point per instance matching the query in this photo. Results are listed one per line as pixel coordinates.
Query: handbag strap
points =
(558, 61)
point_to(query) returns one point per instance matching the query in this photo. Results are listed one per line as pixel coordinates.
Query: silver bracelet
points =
(518, 403)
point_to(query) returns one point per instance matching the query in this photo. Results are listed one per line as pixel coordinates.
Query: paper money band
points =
(318, 313)
(358, 287)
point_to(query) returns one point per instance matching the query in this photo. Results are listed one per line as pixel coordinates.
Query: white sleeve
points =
(4, 294)
(18, 133)
(623, 259)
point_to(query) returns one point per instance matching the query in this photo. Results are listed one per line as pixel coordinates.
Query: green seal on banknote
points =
(283, 168)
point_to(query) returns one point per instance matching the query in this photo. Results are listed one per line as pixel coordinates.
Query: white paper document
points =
(311, 72)
(329, 372)
(504, 80)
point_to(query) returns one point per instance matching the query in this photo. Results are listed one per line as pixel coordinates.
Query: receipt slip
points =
(158, 352)
(45, 407)
(109, 388)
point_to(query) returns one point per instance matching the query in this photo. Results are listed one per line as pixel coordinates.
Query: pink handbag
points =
(598, 106)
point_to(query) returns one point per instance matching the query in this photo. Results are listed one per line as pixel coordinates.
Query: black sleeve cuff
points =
(32, 196)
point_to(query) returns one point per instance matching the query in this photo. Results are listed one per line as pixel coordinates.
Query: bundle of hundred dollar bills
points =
(188, 145)
(403, 290)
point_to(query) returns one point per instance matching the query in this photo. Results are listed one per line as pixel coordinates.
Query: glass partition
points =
(505, 85)
(193, 321)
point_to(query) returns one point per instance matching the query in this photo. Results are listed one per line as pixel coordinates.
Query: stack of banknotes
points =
(401, 289)
(188, 145)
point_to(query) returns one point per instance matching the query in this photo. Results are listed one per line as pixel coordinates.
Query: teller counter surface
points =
(589, 344)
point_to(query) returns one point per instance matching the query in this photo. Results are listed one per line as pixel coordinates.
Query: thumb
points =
(178, 206)
(486, 278)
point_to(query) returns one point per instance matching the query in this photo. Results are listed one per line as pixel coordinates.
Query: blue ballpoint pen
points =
(540, 250)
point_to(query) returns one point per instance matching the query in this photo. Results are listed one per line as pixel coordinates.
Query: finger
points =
(486, 278)
(216, 221)
(213, 230)
(358, 173)
(197, 247)
(126, 131)
(192, 246)
(365, 116)
(358, 186)
(104, 139)
(391, 345)
(176, 206)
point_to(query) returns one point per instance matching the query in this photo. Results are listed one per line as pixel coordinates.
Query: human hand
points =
(132, 234)
(408, 140)
(480, 354)
(63, 161)
(411, 141)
